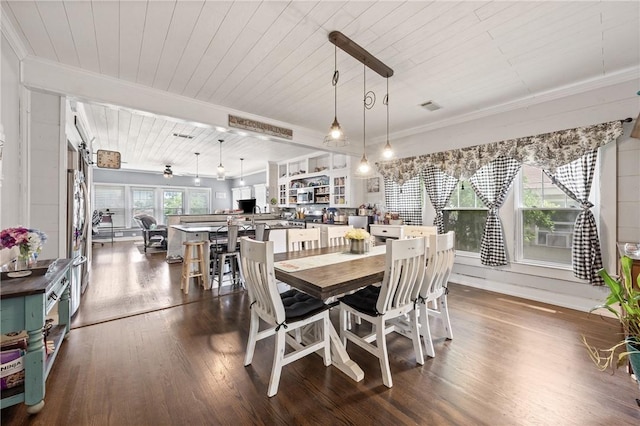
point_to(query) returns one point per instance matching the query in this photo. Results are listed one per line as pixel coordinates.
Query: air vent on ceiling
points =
(182, 135)
(431, 106)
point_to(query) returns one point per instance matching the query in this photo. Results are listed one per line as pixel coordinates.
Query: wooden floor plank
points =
(173, 359)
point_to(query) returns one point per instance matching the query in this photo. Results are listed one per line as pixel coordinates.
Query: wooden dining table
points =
(329, 280)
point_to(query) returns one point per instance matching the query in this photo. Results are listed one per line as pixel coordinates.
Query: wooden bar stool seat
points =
(200, 272)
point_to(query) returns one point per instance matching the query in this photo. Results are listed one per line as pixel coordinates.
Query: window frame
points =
(518, 209)
(478, 206)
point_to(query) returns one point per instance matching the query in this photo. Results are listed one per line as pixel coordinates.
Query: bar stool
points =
(226, 253)
(189, 258)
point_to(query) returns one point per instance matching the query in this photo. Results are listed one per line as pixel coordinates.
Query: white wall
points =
(47, 171)
(628, 191)
(10, 98)
(11, 184)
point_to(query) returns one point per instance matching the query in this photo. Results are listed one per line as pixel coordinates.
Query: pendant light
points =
(241, 172)
(387, 152)
(336, 137)
(367, 103)
(196, 181)
(168, 173)
(220, 166)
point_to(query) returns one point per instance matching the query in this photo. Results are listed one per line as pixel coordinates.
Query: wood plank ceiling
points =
(273, 59)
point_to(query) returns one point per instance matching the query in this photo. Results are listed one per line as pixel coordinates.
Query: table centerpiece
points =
(358, 240)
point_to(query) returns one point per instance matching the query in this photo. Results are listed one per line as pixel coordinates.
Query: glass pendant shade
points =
(364, 166)
(336, 130)
(387, 152)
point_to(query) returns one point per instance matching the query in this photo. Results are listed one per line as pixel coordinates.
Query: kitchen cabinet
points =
(25, 305)
(328, 175)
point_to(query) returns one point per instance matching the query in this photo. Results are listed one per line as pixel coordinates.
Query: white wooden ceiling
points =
(273, 59)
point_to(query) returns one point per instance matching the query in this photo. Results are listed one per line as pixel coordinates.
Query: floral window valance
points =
(547, 151)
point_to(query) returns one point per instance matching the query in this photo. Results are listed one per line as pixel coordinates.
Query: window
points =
(546, 216)
(406, 200)
(199, 201)
(172, 203)
(110, 199)
(144, 201)
(466, 215)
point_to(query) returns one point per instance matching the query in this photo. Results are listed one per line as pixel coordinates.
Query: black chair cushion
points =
(298, 305)
(363, 300)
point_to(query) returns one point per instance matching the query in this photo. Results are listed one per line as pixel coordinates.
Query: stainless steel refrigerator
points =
(78, 225)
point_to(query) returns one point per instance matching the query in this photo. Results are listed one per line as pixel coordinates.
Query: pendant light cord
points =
(334, 81)
(364, 110)
(386, 102)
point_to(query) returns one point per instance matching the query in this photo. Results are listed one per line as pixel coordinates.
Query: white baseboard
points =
(576, 302)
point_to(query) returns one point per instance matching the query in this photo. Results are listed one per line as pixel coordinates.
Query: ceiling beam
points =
(355, 50)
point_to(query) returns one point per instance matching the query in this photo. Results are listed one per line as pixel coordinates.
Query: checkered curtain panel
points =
(575, 180)
(491, 184)
(439, 187)
(406, 200)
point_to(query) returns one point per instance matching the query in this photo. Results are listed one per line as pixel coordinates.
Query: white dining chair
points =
(413, 231)
(403, 275)
(433, 292)
(303, 239)
(335, 235)
(283, 313)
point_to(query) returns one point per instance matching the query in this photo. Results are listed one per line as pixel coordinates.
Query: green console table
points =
(24, 305)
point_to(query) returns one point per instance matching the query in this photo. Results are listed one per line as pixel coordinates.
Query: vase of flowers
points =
(358, 239)
(29, 242)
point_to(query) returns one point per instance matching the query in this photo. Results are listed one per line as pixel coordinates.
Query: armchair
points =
(154, 235)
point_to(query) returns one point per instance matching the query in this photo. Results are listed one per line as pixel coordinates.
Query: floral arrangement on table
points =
(356, 234)
(28, 240)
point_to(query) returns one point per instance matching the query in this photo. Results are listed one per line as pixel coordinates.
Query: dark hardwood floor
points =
(172, 359)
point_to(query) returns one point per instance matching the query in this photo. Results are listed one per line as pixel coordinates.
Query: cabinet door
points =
(340, 190)
(282, 195)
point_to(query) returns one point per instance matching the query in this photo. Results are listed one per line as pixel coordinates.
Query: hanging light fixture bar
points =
(359, 53)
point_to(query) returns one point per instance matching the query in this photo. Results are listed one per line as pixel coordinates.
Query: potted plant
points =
(623, 302)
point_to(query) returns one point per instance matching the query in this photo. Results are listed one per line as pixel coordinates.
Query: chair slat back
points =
(232, 238)
(412, 231)
(439, 265)
(260, 231)
(256, 258)
(335, 235)
(303, 239)
(403, 275)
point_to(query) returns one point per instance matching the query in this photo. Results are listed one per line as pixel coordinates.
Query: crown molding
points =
(622, 76)
(9, 31)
